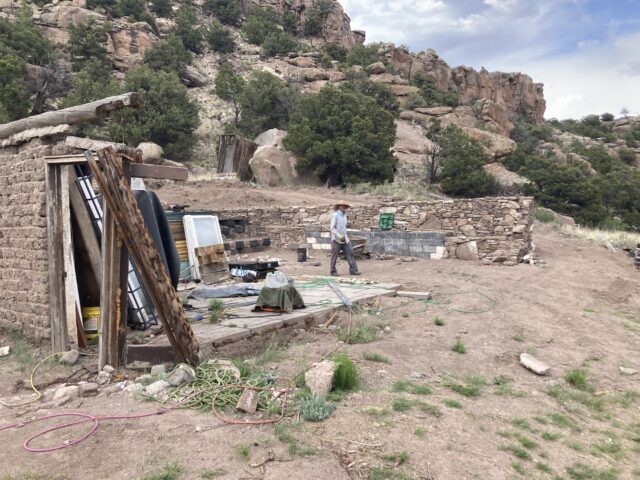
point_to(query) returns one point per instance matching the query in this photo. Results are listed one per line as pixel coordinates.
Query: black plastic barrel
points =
(302, 254)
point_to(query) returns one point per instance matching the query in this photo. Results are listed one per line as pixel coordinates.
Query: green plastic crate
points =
(386, 221)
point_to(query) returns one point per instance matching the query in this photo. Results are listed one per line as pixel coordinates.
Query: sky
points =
(586, 52)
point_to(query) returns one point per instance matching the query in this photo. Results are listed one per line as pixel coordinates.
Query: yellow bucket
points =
(91, 321)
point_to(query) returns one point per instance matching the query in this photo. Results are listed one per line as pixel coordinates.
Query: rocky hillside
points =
(490, 101)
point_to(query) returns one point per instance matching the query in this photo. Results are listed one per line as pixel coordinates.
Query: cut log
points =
(91, 144)
(88, 112)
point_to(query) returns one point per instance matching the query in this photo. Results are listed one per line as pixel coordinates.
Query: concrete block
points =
(532, 363)
(319, 379)
(325, 235)
(311, 240)
(316, 246)
(326, 246)
(248, 402)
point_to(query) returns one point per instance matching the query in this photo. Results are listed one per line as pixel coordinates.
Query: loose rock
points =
(319, 379)
(156, 387)
(103, 378)
(248, 402)
(145, 379)
(158, 371)
(108, 369)
(182, 374)
(66, 392)
(70, 358)
(627, 371)
(532, 363)
(88, 389)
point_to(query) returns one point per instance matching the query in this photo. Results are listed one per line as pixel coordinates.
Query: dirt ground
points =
(581, 309)
(211, 194)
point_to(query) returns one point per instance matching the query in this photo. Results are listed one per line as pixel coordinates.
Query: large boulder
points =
(65, 16)
(272, 166)
(192, 77)
(272, 138)
(376, 68)
(494, 116)
(151, 152)
(411, 139)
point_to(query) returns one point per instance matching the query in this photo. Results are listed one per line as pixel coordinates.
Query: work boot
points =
(334, 274)
(355, 273)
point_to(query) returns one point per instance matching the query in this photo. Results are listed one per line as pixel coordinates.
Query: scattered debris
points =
(88, 389)
(108, 369)
(103, 378)
(65, 393)
(226, 365)
(158, 371)
(248, 402)
(532, 363)
(627, 371)
(319, 378)
(70, 358)
(4, 351)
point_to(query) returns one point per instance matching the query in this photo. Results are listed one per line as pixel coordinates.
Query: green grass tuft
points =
(171, 471)
(397, 458)
(420, 432)
(410, 387)
(543, 467)
(362, 332)
(451, 403)
(438, 321)
(375, 357)
(471, 386)
(430, 409)
(580, 471)
(216, 310)
(209, 473)
(578, 378)
(243, 451)
(517, 451)
(518, 467)
(345, 377)
(551, 436)
(459, 347)
(401, 404)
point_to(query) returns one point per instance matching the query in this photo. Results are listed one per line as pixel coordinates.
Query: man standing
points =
(340, 239)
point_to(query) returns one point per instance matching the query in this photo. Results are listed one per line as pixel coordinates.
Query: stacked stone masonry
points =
(499, 228)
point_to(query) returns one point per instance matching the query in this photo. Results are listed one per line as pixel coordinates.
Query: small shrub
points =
(316, 409)
(279, 43)
(551, 436)
(459, 347)
(161, 8)
(346, 374)
(216, 309)
(220, 38)
(517, 451)
(410, 387)
(544, 215)
(227, 11)
(580, 471)
(188, 30)
(430, 409)
(134, 9)
(438, 321)
(168, 55)
(518, 467)
(420, 432)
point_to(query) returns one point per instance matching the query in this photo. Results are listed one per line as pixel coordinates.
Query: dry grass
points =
(617, 238)
(398, 190)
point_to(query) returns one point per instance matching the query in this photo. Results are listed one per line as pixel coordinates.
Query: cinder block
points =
(325, 235)
(316, 246)
(326, 246)
(311, 240)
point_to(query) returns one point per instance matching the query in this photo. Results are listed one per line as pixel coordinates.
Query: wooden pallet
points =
(214, 266)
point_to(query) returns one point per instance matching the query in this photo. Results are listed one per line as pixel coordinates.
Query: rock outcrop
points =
(516, 93)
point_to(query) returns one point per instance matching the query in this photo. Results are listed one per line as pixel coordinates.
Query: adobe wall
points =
(24, 295)
(499, 226)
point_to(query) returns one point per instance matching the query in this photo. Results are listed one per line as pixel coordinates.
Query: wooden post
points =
(55, 238)
(124, 288)
(70, 282)
(122, 205)
(110, 293)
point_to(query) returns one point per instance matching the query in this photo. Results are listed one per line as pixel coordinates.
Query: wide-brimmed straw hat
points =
(342, 202)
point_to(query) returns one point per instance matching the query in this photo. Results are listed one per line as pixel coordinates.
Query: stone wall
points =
(497, 229)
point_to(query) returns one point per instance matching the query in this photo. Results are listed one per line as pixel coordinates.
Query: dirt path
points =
(217, 194)
(580, 310)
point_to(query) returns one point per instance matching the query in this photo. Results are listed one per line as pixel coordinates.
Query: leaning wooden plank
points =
(70, 283)
(57, 313)
(120, 200)
(74, 115)
(110, 294)
(85, 227)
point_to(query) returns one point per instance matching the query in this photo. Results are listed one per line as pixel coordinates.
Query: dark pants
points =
(336, 248)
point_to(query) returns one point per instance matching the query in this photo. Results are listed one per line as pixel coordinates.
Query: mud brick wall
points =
(24, 266)
(24, 296)
(497, 229)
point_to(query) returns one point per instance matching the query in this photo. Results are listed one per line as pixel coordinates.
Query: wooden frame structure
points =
(109, 263)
